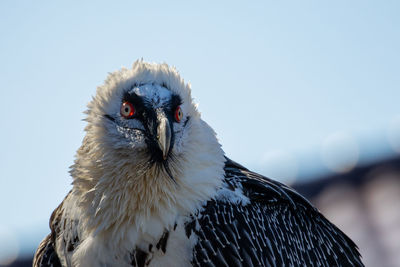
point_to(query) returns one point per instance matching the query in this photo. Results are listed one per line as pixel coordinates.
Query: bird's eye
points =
(178, 114)
(127, 110)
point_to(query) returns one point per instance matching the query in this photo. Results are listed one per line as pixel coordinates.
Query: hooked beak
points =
(164, 135)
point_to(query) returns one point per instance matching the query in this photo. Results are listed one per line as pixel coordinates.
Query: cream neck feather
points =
(115, 191)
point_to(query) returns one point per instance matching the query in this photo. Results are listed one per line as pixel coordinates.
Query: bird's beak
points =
(163, 135)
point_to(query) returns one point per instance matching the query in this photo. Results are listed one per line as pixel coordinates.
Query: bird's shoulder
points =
(46, 254)
(256, 221)
(260, 189)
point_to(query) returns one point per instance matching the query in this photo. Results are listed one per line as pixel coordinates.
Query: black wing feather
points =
(46, 255)
(278, 228)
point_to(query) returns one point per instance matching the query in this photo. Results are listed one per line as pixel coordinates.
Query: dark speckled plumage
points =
(277, 228)
(46, 255)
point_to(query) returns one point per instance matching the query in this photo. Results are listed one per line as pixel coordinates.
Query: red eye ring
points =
(178, 114)
(127, 110)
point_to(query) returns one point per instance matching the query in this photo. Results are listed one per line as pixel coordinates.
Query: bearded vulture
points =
(153, 187)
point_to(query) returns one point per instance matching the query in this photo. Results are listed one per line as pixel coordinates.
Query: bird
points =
(152, 186)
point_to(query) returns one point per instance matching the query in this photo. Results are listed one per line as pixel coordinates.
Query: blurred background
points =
(305, 92)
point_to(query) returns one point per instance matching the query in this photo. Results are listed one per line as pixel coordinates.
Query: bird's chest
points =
(174, 248)
(171, 248)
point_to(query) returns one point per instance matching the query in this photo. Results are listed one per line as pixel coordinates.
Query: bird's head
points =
(149, 119)
(148, 124)
(146, 143)
(146, 116)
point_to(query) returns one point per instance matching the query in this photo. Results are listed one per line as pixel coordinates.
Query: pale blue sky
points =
(272, 78)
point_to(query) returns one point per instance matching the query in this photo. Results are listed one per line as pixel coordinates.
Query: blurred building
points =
(364, 203)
